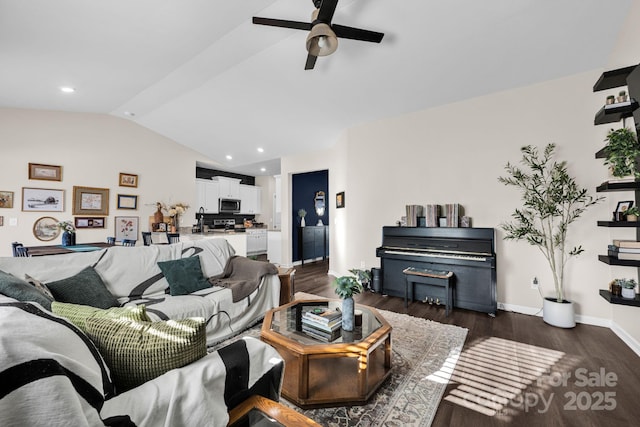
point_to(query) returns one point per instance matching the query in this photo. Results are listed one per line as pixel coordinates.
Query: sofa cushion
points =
(38, 285)
(85, 287)
(184, 275)
(78, 314)
(137, 351)
(14, 287)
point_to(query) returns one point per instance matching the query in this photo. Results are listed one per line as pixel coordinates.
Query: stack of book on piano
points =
(413, 212)
(625, 249)
(322, 324)
(433, 214)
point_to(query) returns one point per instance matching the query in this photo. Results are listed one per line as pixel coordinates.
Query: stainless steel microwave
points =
(229, 205)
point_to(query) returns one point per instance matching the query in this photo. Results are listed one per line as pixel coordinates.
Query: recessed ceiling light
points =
(228, 157)
(129, 114)
(67, 89)
(260, 150)
(263, 169)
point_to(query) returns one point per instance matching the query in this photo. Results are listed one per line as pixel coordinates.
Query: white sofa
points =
(132, 275)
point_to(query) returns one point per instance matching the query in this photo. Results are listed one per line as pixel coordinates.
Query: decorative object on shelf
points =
(68, 233)
(628, 287)
(622, 151)
(622, 96)
(611, 100)
(632, 213)
(346, 287)
(90, 201)
(174, 212)
(552, 200)
(621, 210)
(615, 288)
(46, 228)
(158, 216)
(302, 213)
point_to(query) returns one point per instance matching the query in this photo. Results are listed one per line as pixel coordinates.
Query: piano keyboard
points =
(438, 255)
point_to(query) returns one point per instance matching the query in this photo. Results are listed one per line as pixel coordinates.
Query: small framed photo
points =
(127, 228)
(623, 206)
(6, 199)
(42, 200)
(127, 201)
(442, 221)
(340, 200)
(90, 201)
(160, 226)
(45, 172)
(128, 180)
(89, 222)
(46, 228)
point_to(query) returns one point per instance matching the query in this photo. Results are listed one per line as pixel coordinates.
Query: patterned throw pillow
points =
(137, 352)
(38, 285)
(78, 314)
(184, 275)
(17, 288)
(86, 288)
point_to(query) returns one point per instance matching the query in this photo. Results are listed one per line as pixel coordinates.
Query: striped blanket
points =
(51, 374)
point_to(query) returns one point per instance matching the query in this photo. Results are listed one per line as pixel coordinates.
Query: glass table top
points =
(288, 322)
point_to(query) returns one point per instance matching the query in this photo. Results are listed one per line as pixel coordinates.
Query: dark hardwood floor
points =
(587, 376)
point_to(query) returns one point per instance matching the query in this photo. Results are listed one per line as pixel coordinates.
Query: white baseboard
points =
(624, 336)
(533, 311)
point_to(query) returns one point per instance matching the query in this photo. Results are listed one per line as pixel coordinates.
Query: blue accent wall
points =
(303, 188)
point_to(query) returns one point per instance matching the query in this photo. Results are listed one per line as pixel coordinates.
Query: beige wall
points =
(454, 154)
(92, 150)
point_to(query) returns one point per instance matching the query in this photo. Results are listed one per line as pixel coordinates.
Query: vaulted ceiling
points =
(200, 73)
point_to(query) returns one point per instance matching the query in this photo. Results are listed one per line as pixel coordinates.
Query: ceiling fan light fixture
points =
(321, 41)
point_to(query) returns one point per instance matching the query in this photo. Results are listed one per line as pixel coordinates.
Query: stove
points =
(226, 224)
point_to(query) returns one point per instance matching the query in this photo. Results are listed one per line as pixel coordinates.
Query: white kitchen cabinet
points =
(250, 199)
(257, 241)
(207, 195)
(229, 188)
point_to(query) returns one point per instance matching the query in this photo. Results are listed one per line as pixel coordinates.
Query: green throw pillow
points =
(137, 352)
(184, 275)
(85, 288)
(78, 314)
(18, 289)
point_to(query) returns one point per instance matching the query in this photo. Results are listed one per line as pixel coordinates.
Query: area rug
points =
(424, 354)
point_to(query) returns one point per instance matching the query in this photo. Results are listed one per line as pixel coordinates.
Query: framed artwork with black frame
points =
(623, 206)
(127, 201)
(340, 200)
(90, 201)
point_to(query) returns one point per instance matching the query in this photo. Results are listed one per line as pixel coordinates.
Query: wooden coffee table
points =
(346, 371)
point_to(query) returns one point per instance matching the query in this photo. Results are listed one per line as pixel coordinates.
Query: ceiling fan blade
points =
(327, 9)
(296, 25)
(311, 62)
(357, 34)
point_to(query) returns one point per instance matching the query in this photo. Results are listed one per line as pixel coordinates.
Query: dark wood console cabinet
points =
(314, 242)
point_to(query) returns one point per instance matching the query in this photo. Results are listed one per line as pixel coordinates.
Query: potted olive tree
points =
(552, 200)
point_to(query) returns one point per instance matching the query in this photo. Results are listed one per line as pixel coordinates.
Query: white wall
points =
(455, 153)
(92, 150)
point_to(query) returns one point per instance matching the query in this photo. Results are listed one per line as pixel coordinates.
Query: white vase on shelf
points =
(302, 223)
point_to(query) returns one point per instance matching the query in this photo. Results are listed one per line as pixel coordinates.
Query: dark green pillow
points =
(184, 275)
(18, 289)
(85, 288)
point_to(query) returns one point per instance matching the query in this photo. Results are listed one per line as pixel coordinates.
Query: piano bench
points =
(422, 276)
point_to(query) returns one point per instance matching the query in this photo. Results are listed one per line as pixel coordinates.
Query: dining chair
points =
(21, 251)
(146, 238)
(128, 242)
(173, 237)
(14, 246)
(111, 240)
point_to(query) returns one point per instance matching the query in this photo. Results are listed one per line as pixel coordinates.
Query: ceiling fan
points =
(323, 36)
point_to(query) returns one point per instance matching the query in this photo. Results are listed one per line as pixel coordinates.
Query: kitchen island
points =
(238, 240)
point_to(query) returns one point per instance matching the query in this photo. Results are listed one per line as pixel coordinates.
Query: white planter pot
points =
(629, 293)
(558, 314)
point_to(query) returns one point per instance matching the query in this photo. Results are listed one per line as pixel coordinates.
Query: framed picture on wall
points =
(90, 201)
(6, 199)
(42, 200)
(340, 200)
(89, 222)
(45, 172)
(46, 228)
(128, 180)
(127, 201)
(127, 227)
